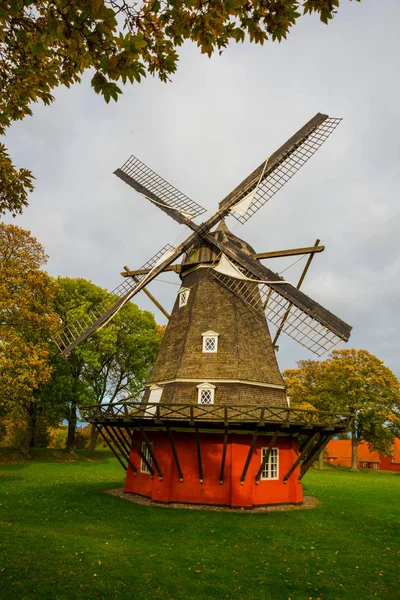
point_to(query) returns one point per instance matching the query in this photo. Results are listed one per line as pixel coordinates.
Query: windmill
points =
(216, 389)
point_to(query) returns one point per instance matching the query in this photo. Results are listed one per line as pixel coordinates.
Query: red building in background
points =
(339, 454)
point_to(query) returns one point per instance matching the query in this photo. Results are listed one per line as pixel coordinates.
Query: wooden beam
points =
(108, 442)
(150, 295)
(201, 477)
(115, 441)
(150, 449)
(175, 454)
(319, 446)
(301, 456)
(121, 449)
(266, 457)
(141, 454)
(122, 440)
(221, 473)
(291, 252)
(248, 459)
(287, 312)
(129, 273)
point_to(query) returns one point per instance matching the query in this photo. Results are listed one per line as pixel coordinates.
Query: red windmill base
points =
(234, 456)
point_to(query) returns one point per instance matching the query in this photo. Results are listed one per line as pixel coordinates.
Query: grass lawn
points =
(62, 538)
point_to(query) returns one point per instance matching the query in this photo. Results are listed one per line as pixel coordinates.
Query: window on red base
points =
(271, 468)
(143, 466)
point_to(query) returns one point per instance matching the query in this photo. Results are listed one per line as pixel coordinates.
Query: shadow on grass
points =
(10, 456)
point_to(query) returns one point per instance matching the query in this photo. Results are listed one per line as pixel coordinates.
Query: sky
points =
(205, 132)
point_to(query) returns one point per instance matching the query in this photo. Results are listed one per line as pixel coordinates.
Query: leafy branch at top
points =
(47, 43)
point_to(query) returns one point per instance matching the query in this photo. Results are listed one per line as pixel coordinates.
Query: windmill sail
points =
(272, 175)
(305, 321)
(67, 338)
(156, 189)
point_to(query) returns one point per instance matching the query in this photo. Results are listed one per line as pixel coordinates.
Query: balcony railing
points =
(131, 411)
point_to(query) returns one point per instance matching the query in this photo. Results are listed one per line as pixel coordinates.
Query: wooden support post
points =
(304, 444)
(290, 252)
(115, 441)
(304, 273)
(122, 440)
(174, 452)
(201, 478)
(301, 456)
(109, 444)
(150, 449)
(266, 457)
(286, 421)
(319, 446)
(248, 459)
(129, 273)
(122, 449)
(127, 441)
(141, 454)
(150, 295)
(221, 473)
(125, 434)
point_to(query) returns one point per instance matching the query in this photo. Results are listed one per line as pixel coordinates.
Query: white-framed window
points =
(143, 467)
(271, 469)
(206, 392)
(154, 398)
(364, 464)
(210, 341)
(376, 465)
(183, 296)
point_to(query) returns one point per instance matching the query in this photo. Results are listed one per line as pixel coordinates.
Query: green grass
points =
(62, 538)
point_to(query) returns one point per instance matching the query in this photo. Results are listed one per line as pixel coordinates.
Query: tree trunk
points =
(354, 448)
(321, 461)
(71, 429)
(29, 432)
(94, 434)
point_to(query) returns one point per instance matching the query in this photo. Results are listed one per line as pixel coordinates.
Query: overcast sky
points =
(205, 132)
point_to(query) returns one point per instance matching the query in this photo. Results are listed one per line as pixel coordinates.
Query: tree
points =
(369, 390)
(307, 389)
(26, 323)
(126, 352)
(353, 381)
(110, 365)
(47, 43)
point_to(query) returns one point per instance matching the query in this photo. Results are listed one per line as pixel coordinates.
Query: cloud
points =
(206, 131)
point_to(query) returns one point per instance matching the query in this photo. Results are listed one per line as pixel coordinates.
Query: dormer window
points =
(206, 393)
(154, 398)
(210, 341)
(183, 296)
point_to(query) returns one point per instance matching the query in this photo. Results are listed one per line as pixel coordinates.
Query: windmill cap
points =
(203, 253)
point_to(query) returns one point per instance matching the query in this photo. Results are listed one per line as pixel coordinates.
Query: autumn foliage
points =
(46, 43)
(26, 316)
(353, 381)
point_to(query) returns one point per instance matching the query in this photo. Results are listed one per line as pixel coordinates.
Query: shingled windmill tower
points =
(214, 425)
